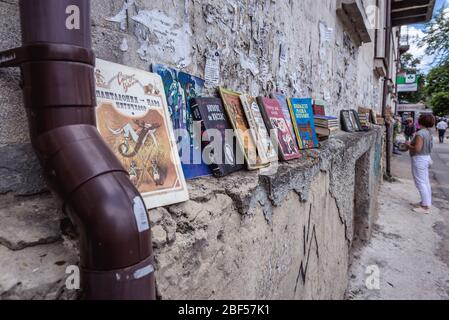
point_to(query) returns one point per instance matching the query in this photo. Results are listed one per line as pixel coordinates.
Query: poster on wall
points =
(133, 119)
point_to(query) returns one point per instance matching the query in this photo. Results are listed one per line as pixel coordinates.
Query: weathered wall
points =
(285, 236)
(243, 229)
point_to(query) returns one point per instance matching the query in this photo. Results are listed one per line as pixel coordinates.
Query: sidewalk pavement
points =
(408, 253)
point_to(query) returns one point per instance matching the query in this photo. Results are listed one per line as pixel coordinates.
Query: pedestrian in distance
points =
(442, 128)
(409, 130)
(420, 151)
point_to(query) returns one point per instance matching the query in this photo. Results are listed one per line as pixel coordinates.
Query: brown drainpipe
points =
(57, 64)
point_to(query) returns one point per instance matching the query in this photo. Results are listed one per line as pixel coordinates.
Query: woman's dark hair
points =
(427, 120)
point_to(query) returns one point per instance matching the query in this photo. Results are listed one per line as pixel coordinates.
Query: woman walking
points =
(420, 151)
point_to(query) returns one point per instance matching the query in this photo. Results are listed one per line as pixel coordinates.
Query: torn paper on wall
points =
(326, 36)
(124, 45)
(122, 16)
(212, 70)
(163, 39)
(248, 63)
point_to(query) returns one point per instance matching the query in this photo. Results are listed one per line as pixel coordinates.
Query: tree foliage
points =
(438, 79)
(437, 36)
(409, 65)
(440, 104)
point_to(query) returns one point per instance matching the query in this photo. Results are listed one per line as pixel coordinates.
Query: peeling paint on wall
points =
(298, 47)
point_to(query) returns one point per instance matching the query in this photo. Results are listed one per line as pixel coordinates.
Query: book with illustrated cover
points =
(237, 117)
(303, 121)
(347, 123)
(133, 119)
(356, 120)
(275, 120)
(282, 100)
(180, 88)
(319, 107)
(260, 134)
(222, 156)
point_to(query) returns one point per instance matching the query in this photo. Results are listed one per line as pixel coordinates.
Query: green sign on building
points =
(407, 82)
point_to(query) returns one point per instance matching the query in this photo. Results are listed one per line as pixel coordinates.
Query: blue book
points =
(180, 88)
(303, 122)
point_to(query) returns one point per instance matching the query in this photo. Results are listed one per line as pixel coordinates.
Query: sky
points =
(416, 33)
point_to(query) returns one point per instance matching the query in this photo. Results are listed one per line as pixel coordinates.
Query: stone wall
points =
(285, 236)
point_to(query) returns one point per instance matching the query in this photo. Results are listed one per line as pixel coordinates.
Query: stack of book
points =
(326, 126)
(365, 120)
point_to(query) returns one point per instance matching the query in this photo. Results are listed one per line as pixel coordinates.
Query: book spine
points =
(295, 124)
(196, 115)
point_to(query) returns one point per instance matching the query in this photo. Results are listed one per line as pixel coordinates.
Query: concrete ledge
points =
(286, 235)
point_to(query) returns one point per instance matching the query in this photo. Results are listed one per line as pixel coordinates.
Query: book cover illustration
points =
(275, 120)
(319, 107)
(356, 120)
(180, 88)
(282, 100)
(236, 115)
(265, 146)
(347, 123)
(133, 119)
(303, 122)
(222, 156)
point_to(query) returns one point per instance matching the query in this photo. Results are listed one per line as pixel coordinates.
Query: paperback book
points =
(319, 107)
(220, 152)
(356, 120)
(180, 88)
(282, 100)
(133, 119)
(303, 121)
(275, 121)
(237, 118)
(326, 126)
(265, 146)
(347, 122)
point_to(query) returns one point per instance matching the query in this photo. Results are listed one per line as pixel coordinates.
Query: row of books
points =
(253, 120)
(266, 129)
(165, 131)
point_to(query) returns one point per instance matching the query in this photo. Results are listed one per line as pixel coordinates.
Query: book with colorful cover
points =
(275, 121)
(180, 88)
(265, 147)
(133, 118)
(319, 107)
(237, 117)
(303, 121)
(222, 156)
(282, 100)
